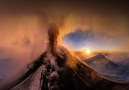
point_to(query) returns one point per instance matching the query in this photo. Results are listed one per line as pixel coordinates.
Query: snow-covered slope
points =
(108, 69)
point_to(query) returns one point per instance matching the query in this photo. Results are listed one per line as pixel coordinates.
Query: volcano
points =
(58, 69)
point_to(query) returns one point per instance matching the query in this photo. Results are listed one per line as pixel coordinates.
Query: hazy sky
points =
(24, 23)
(97, 25)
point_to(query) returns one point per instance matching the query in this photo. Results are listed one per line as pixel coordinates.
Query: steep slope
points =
(55, 73)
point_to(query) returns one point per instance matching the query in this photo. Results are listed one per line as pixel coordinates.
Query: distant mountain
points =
(108, 69)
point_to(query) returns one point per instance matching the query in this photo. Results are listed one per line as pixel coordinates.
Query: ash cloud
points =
(24, 42)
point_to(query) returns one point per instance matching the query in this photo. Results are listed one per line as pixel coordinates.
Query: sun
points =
(88, 51)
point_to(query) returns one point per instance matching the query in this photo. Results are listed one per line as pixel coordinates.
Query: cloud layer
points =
(83, 39)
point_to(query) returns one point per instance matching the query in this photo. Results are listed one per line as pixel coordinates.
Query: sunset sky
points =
(84, 25)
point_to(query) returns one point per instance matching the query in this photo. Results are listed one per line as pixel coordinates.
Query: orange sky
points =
(24, 24)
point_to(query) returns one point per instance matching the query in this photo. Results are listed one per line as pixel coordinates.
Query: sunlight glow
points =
(88, 51)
